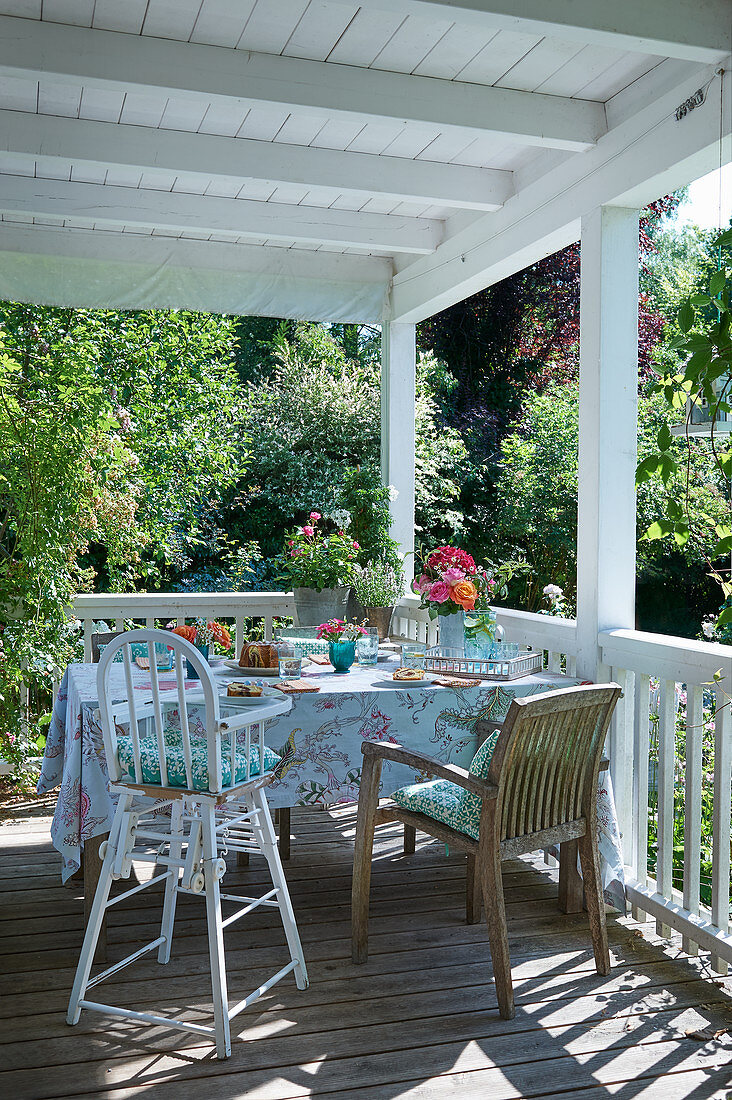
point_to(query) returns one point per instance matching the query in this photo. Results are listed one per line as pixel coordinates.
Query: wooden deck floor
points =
(419, 1020)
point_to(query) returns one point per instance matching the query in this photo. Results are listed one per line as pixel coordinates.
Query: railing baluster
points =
(555, 661)
(640, 782)
(721, 818)
(119, 624)
(692, 805)
(268, 628)
(239, 634)
(620, 751)
(666, 759)
(88, 631)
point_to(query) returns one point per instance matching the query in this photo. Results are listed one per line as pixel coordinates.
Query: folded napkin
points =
(295, 687)
(319, 658)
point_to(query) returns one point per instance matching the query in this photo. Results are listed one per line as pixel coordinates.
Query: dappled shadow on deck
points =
(419, 1019)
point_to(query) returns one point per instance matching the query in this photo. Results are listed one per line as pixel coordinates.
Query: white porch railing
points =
(633, 659)
(232, 608)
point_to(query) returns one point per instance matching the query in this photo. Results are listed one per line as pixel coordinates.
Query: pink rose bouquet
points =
(451, 582)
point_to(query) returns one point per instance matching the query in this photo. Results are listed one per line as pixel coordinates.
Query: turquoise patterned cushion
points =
(175, 760)
(445, 801)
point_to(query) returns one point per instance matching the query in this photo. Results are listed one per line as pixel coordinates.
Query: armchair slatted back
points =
(547, 758)
(129, 710)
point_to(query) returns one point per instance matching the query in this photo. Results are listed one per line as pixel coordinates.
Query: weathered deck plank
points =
(418, 1021)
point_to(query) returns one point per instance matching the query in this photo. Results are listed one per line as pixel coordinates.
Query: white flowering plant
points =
(377, 584)
(558, 602)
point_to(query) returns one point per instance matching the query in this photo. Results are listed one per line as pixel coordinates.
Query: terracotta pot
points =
(380, 618)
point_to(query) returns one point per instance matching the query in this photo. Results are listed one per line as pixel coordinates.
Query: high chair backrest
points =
(547, 757)
(137, 707)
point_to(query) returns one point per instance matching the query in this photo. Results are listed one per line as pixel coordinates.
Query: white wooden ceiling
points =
(374, 129)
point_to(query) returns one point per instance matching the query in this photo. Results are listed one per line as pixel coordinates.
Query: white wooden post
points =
(398, 364)
(608, 417)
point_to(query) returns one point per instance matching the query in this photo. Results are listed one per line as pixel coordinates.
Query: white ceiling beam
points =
(648, 155)
(178, 212)
(95, 58)
(112, 270)
(48, 138)
(700, 31)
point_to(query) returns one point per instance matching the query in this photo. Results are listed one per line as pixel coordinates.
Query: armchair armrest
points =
(421, 762)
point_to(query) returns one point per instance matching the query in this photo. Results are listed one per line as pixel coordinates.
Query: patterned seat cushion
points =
(175, 760)
(445, 801)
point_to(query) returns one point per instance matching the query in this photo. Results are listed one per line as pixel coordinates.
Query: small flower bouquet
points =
(336, 630)
(314, 559)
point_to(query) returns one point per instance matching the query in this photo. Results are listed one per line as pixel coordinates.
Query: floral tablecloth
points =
(319, 741)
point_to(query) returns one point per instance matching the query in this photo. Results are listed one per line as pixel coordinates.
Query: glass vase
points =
(342, 655)
(451, 630)
(193, 672)
(481, 633)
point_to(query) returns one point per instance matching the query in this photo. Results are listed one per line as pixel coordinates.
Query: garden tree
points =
(171, 373)
(67, 478)
(316, 417)
(119, 439)
(254, 345)
(697, 383)
(535, 515)
(512, 338)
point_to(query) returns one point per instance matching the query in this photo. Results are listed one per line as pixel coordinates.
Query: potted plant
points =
(319, 566)
(341, 638)
(378, 587)
(457, 592)
(202, 636)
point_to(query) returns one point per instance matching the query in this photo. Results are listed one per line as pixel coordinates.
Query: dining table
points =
(319, 742)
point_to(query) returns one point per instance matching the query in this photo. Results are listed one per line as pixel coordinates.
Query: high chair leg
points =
(264, 831)
(215, 932)
(171, 886)
(96, 916)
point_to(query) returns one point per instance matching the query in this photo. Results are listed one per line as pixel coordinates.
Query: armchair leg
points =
(590, 862)
(571, 887)
(473, 897)
(410, 839)
(368, 801)
(489, 862)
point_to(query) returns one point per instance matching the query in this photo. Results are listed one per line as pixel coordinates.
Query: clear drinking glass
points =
(290, 662)
(413, 656)
(367, 646)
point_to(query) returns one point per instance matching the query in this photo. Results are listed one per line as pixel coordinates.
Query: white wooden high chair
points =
(213, 778)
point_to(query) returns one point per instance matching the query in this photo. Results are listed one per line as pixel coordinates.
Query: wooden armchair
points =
(540, 789)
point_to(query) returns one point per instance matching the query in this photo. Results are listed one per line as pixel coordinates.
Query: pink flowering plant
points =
(316, 558)
(337, 630)
(451, 582)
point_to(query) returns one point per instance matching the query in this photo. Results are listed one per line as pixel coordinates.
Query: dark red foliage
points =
(525, 331)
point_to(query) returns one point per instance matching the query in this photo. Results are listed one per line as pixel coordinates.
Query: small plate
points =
(250, 673)
(385, 680)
